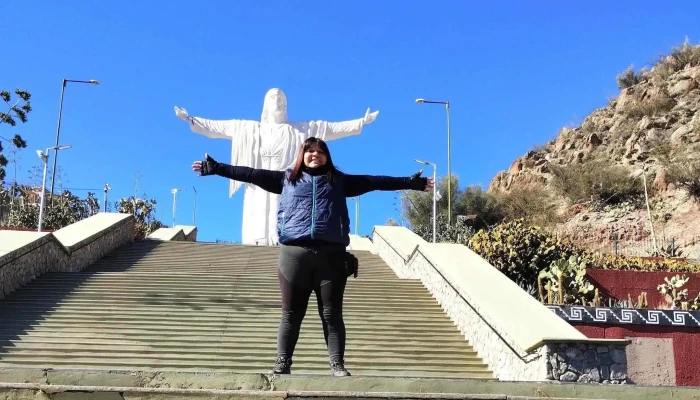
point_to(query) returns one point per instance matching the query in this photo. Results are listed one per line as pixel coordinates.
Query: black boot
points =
(338, 368)
(283, 366)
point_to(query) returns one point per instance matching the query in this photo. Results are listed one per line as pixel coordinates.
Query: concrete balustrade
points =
(26, 255)
(517, 337)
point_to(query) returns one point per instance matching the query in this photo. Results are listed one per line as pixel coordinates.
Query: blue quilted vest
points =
(313, 209)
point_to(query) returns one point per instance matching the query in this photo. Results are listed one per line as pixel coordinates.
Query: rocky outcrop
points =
(654, 119)
(642, 117)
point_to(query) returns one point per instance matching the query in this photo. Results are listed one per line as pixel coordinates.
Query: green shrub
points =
(521, 251)
(619, 262)
(457, 232)
(484, 206)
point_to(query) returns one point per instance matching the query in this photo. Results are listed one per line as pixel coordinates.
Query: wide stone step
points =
(380, 330)
(239, 321)
(354, 296)
(235, 303)
(300, 358)
(321, 367)
(199, 346)
(226, 272)
(57, 286)
(446, 341)
(26, 312)
(128, 278)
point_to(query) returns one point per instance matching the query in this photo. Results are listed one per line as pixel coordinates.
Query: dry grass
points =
(680, 57)
(653, 106)
(628, 78)
(533, 203)
(596, 181)
(685, 172)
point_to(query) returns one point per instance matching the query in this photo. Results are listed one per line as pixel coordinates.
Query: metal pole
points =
(105, 197)
(43, 192)
(434, 204)
(174, 192)
(194, 213)
(58, 134)
(357, 216)
(174, 203)
(449, 168)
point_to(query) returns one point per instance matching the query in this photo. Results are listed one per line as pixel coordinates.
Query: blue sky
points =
(515, 72)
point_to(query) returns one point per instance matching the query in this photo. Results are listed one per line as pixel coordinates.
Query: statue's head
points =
(274, 107)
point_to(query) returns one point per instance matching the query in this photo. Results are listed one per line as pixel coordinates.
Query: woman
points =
(313, 227)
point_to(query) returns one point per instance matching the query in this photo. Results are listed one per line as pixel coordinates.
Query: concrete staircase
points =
(181, 306)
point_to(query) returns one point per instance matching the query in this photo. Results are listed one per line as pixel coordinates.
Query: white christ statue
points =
(271, 144)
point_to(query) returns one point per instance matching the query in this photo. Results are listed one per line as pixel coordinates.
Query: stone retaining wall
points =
(586, 363)
(48, 254)
(23, 265)
(88, 251)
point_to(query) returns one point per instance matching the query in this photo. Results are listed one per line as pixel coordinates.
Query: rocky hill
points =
(596, 172)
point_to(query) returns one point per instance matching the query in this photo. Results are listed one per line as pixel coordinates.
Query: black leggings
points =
(295, 300)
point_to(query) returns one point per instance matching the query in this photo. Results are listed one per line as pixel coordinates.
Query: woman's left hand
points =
(416, 186)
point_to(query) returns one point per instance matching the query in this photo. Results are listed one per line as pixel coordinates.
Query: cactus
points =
(567, 279)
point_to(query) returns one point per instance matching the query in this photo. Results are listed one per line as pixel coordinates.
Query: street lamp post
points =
(357, 215)
(449, 166)
(58, 128)
(434, 196)
(194, 212)
(44, 156)
(106, 189)
(174, 192)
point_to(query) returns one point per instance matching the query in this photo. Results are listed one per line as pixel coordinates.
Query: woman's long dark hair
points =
(299, 165)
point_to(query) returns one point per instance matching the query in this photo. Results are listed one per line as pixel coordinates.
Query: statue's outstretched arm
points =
(339, 130)
(214, 129)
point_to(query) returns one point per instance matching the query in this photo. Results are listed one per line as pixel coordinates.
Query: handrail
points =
(416, 250)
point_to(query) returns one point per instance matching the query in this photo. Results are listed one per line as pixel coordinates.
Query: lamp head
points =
(420, 100)
(424, 162)
(41, 155)
(94, 82)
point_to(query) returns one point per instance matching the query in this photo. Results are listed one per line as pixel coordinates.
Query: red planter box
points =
(686, 345)
(617, 284)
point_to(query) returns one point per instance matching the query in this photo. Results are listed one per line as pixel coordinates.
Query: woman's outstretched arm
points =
(356, 185)
(268, 180)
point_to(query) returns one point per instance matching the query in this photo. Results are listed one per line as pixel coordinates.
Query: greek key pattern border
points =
(626, 316)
